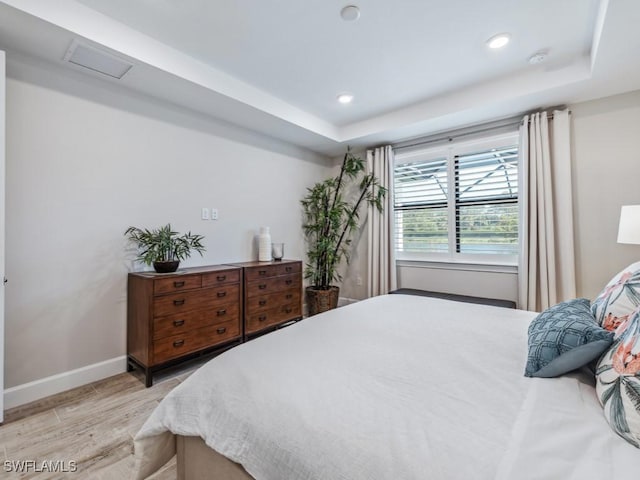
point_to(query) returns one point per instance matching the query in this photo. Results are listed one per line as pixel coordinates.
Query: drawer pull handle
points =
(222, 294)
(221, 330)
(289, 282)
(221, 312)
(262, 272)
(287, 310)
(262, 286)
(178, 323)
(289, 295)
(262, 302)
(178, 284)
(288, 269)
(221, 278)
(262, 318)
(178, 343)
(178, 302)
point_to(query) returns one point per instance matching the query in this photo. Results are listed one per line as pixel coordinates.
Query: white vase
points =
(264, 245)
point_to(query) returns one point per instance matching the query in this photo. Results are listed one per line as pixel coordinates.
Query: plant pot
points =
(319, 300)
(166, 267)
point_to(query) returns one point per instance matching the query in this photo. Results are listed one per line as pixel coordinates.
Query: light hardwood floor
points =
(92, 425)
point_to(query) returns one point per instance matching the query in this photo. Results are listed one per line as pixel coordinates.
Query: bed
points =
(393, 387)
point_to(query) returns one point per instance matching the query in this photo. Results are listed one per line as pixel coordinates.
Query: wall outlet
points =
(214, 214)
(359, 281)
(205, 213)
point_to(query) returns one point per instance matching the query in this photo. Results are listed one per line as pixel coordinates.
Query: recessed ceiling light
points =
(499, 41)
(345, 98)
(350, 13)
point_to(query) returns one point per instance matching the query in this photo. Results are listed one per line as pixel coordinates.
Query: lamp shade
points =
(629, 229)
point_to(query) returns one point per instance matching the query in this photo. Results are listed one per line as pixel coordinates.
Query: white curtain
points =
(546, 273)
(381, 260)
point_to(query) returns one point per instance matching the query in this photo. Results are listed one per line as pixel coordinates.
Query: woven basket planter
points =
(319, 301)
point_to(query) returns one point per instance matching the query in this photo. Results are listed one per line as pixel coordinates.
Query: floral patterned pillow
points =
(619, 298)
(618, 380)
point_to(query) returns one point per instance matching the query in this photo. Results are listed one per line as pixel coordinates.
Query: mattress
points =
(392, 387)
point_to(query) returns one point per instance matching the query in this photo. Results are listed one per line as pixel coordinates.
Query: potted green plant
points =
(163, 248)
(331, 214)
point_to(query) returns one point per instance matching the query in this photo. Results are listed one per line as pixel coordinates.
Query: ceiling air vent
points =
(96, 60)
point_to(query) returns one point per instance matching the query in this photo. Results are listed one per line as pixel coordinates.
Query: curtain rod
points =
(465, 132)
(549, 115)
(451, 135)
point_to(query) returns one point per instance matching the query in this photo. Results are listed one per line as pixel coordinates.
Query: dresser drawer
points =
(289, 268)
(177, 345)
(206, 298)
(220, 278)
(177, 283)
(258, 273)
(261, 303)
(185, 322)
(275, 284)
(258, 321)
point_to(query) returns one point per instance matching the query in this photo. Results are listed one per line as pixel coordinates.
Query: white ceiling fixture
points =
(499, 41)
(345, 98)
(275, 69)
(350, 13)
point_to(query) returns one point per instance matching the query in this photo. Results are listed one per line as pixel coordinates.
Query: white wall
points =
(86, 159)
(354, 274)
(606, 173)
(472, 280)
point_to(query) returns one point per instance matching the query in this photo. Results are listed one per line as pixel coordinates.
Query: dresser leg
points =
(148, 378)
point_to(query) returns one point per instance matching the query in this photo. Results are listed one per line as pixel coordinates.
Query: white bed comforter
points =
(394, 387)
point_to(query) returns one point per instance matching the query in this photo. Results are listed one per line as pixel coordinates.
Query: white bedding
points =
(394, 387)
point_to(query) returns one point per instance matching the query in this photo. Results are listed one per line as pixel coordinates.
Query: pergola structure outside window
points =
(459, 202)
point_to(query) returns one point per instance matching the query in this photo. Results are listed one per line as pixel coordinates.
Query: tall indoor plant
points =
(163, 248)
(331, 211)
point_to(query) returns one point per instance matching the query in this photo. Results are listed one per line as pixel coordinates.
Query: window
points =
(459, 202)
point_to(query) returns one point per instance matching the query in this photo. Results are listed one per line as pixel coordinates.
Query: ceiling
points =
(415, 67)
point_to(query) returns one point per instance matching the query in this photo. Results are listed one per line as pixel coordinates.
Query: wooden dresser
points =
(174, 315)
(272, 295)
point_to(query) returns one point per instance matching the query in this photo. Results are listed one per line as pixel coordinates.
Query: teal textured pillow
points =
(565, 337)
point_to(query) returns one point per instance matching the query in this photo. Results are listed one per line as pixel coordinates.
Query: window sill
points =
(463, 265)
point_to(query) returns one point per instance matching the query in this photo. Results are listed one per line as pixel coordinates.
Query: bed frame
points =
(196, 460)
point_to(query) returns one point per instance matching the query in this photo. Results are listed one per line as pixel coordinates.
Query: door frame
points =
(3, 81)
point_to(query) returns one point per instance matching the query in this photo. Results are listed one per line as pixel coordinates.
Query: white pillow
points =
(619, 298)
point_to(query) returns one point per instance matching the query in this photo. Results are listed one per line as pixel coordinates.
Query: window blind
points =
(486, 204)
(421, 203)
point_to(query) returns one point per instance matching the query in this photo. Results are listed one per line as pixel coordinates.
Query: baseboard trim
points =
(38, 389)
(342, 301)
